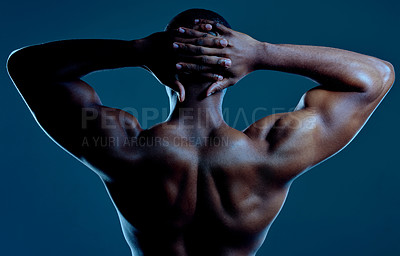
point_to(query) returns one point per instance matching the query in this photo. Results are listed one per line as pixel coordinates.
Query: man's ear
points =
(180, 91)
(171, 92)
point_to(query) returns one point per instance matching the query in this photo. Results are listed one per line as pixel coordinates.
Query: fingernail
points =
(196, 21)
(223, 42)
(208, 26)
(178, 66)
(228, 62)
(220, 78)
(181, 30)
(175, 45)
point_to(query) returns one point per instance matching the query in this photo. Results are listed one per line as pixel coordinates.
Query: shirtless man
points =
(176, 195)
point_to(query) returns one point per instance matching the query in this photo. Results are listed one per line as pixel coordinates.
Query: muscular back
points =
(200, 191)
(194, 195)
(196, 191)
(182, 190)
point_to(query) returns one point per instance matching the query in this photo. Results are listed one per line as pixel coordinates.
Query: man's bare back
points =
(214, 195)
(193, 185)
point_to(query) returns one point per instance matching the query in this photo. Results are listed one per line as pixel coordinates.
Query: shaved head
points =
(186, 18)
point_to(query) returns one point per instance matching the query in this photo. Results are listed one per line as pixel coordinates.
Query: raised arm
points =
(68, 109)
(326, 119)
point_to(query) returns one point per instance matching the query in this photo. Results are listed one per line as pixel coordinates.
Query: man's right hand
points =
(242, 50)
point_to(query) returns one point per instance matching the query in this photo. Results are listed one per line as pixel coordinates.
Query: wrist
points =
(136, 52)
(263, 60)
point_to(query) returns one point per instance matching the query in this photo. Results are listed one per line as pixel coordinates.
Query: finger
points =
(207, 60)
(197, 50)
(198, 27)
(207, 76)
(206, 27)
(191, 67)
(218, 86)
(216, 25)
(211, 76)
(203, 27)
(190, 32)
(205, 41)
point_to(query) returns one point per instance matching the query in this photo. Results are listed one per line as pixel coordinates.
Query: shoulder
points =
(260, 128)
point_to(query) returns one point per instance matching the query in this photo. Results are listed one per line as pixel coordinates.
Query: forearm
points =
(72, 59)
(334, 67)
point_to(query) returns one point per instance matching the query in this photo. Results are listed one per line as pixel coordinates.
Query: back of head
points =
(186, 18)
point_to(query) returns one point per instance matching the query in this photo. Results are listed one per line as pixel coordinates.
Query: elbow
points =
(386, 78)
(15, 64)
(379, 79)
(388, 75)
(21, 64)
(11, 64)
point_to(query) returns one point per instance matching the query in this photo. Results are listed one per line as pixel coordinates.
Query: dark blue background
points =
(53, 205)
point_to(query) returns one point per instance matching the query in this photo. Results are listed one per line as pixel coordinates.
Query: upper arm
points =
(323, 122)
(72, 114)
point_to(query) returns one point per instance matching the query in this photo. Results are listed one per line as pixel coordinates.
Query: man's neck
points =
(197, 111)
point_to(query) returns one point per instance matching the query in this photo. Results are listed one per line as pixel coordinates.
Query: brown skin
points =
(192, 185)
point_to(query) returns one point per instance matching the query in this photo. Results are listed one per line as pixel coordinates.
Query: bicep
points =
(323, 123)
